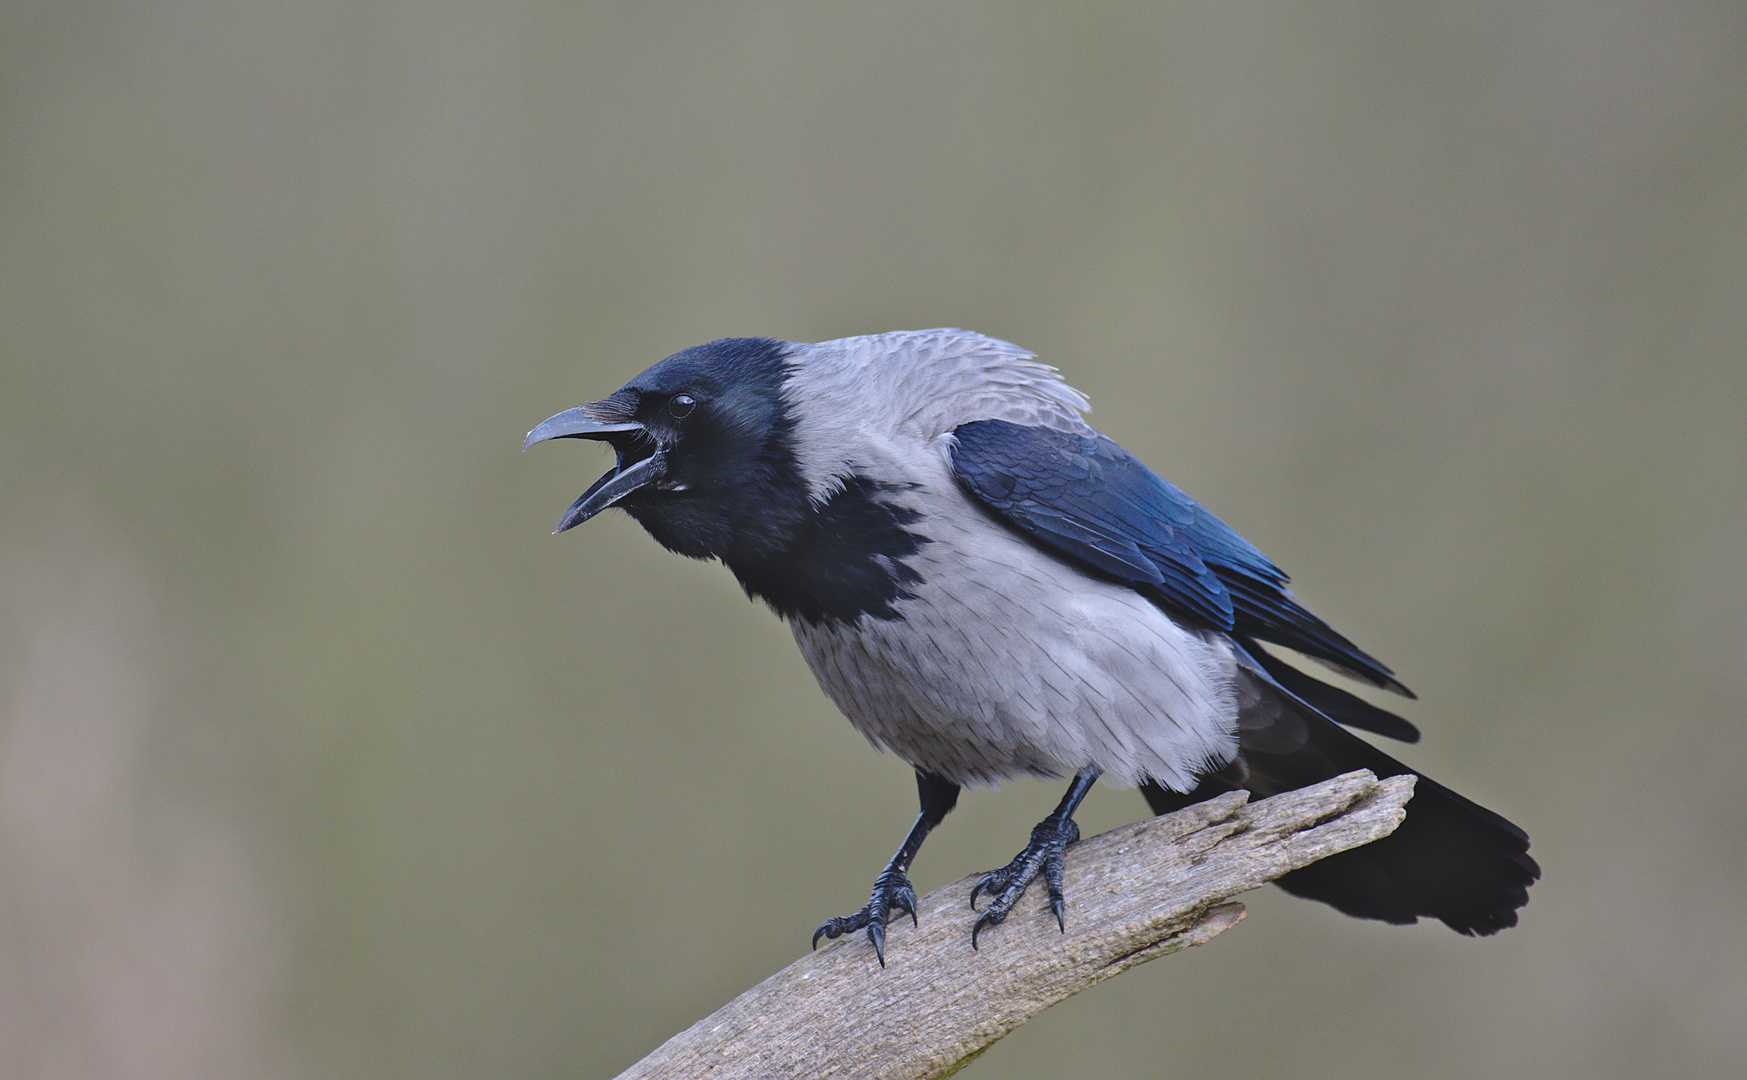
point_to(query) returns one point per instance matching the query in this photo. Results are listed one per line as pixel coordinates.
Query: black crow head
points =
(705, 458)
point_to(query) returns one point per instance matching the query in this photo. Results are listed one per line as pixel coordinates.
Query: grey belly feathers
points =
(1025, 665)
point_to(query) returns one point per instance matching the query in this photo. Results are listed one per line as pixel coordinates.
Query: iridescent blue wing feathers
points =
(1083, 497)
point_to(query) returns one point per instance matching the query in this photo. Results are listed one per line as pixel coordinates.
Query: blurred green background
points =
(320, 757)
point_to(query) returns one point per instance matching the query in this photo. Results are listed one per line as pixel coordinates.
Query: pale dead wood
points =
(1134, 893)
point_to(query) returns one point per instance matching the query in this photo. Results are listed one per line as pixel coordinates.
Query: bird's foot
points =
(1043, 855)
(891, 892)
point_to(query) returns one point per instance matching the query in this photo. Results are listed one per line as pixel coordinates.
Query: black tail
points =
(1451, 859)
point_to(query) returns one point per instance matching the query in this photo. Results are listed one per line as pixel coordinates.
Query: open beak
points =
(630, 472)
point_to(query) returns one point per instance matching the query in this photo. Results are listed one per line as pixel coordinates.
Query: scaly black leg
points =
(1049, 840)
(892, 889)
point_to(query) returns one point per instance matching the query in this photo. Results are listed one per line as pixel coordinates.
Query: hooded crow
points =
(990, 588)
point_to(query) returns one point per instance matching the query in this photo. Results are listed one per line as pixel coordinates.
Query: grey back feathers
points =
(856, 400)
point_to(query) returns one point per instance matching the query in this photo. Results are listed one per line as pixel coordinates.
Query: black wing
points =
(1087, 499)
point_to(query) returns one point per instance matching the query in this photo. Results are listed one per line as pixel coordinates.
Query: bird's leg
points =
(1043, 855)
(892, 890)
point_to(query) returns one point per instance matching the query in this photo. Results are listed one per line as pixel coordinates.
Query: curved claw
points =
(1042, 857)
(993, 883)
(905, 900)
(832, 929)
(1052, 880)
(987, 918)
(891, 892)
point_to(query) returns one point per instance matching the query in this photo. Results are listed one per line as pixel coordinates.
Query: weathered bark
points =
(1133, 893)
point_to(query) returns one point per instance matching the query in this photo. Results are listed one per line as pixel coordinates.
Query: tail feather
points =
(1331, 701)
(1451, 859)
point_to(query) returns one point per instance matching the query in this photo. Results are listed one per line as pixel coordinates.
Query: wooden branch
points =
(1133, 893)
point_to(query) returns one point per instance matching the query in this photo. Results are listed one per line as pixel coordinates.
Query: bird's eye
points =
(681, 405)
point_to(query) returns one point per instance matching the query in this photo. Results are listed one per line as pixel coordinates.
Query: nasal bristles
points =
(613, 409)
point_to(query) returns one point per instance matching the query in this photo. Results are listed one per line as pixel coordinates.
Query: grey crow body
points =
(989, 588)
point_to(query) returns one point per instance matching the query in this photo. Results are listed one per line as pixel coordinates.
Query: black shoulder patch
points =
(845, 561)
